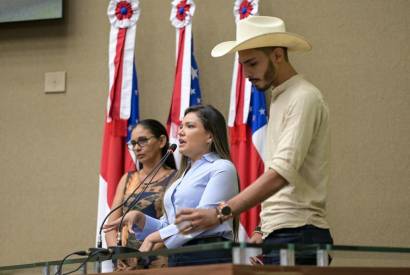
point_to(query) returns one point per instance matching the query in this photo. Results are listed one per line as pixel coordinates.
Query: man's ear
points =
(278, 55)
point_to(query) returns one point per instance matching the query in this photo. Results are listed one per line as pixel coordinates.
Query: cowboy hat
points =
(261, 31)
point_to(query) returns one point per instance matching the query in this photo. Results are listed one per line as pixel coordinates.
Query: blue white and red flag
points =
(186, 90)
(122, 105)
(247, 124)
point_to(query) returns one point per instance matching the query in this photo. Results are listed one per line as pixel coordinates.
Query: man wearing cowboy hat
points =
(292, 190)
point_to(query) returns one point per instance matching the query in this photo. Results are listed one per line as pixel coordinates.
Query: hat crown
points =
(254, 26)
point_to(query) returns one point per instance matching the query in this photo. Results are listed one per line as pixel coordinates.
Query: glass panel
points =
(353, 256)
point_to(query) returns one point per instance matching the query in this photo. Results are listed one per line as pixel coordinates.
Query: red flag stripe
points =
(115, 93)
(176, 95)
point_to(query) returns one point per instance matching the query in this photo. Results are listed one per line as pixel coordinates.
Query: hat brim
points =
(293, 42)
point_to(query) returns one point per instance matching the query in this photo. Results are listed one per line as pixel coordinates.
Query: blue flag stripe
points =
(257, 112)
(195, 96)
(135, 114)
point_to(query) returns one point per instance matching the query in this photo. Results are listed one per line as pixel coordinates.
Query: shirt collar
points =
(285, 85)
(210, 157)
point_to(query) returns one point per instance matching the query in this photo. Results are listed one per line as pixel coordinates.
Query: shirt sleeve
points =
(222, 185)
(151, 225)
(299, 127)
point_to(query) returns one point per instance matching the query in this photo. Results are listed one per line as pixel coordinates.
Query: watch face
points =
(226, 210)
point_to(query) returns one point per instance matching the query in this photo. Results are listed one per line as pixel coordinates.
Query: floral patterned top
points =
(150, 201)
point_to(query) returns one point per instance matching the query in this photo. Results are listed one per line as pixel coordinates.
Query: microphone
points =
(170, 150)
(154, 171)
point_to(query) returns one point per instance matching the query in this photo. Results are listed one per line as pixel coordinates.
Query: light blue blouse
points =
(209, 181)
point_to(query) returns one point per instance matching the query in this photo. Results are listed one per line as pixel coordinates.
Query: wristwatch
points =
(258, 229)
(223, 212)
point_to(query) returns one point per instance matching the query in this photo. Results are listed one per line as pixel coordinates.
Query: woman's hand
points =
(131, 218)
(153, 239)
(256, 239)
(121, 265)
(256, 260)
(190, 220)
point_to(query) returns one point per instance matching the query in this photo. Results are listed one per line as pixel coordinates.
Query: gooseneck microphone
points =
(152, 173)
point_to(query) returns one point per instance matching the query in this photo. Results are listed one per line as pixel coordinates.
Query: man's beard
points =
(267, 77)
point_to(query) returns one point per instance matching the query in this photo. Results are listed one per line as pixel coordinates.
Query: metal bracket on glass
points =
(83, 269)
(46, 269)
(287, 256)
(49, 269)
(322, 257)
(97, 267)
(241, 255)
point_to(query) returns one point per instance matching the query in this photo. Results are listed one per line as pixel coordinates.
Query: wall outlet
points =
(54, 82)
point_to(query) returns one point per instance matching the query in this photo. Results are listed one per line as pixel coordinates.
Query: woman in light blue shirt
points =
(206, 178)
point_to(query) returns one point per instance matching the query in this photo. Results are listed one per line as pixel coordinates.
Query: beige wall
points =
(50, 144)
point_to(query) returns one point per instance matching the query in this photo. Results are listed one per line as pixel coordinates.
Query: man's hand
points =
(256, 238)
(190, 220)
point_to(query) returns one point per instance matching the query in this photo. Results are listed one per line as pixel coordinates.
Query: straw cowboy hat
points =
(261, 31)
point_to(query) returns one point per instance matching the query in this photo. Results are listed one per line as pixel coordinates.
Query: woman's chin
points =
(144, 159)
(184, 152)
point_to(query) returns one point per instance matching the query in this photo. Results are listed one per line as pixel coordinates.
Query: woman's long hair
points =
(158, 130)
(214, 123)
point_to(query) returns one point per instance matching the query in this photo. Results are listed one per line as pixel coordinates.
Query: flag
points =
(122, 105)
(247, 124)
(186, 91)
(247, 138)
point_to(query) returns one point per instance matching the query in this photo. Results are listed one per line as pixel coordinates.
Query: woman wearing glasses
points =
(206, 177)
(149, 142)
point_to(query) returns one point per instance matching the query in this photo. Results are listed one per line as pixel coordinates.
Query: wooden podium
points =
(231, 269)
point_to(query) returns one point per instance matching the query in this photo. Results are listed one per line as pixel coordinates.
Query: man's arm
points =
(265, 186)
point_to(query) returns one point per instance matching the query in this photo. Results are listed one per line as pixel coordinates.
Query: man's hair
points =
(268, 50)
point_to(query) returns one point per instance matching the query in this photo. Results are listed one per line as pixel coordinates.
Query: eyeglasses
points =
(141, 142)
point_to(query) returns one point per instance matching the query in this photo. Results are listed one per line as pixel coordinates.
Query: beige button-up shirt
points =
(297, 149)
